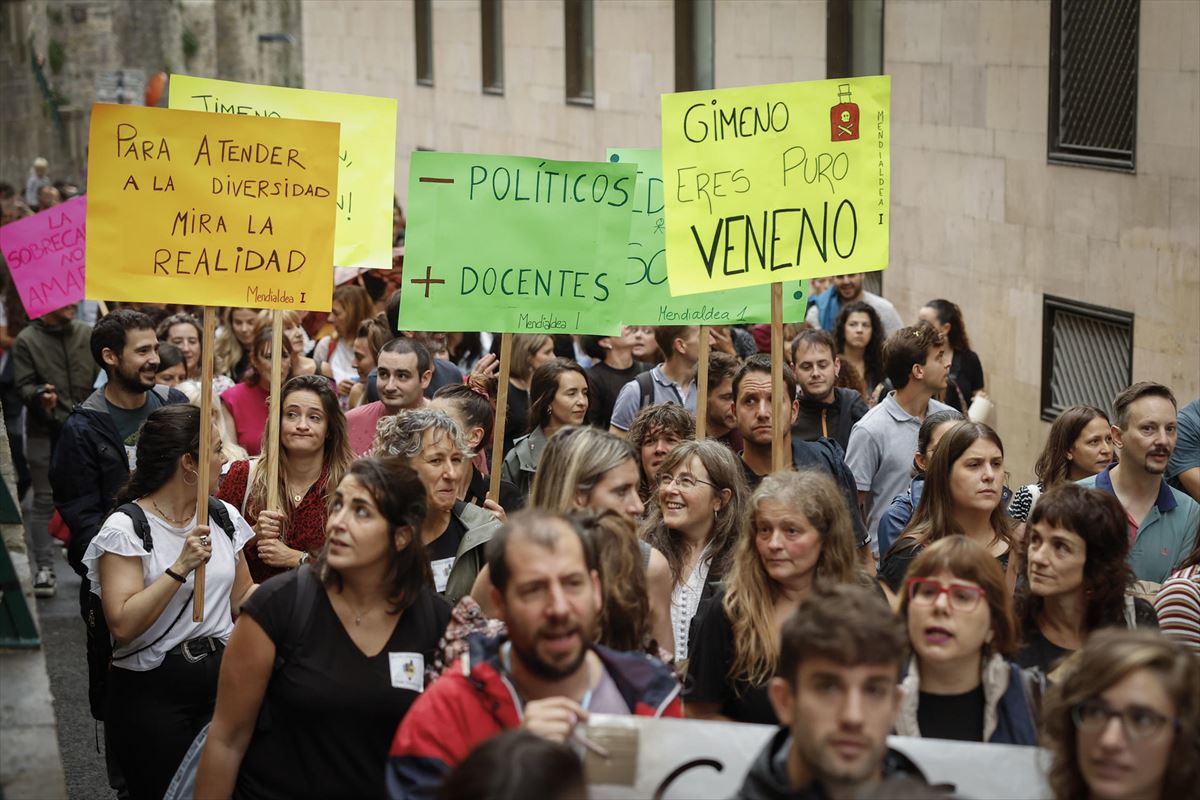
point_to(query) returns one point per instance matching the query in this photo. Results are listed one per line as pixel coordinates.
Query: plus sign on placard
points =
(428, 280)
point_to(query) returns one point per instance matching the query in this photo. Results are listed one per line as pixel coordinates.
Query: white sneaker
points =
(43, 582)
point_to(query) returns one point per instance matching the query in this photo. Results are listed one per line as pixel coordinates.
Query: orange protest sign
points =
(210, 209)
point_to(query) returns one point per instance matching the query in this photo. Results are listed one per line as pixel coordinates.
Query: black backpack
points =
(645, 382)
(99, 640)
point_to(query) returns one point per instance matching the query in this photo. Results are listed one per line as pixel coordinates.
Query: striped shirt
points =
(1178, 607)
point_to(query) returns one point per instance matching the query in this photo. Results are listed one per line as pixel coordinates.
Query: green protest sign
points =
(515, 244)
(648, 299)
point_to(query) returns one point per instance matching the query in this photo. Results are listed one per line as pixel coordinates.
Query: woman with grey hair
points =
(454, 533)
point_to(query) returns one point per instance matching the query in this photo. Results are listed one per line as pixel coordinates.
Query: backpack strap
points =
(250, 465)
(305, 600)
(141, 525)
(219, 514)
(1033, 683)
(645, 382)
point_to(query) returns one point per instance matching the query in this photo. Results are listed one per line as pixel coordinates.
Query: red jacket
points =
(474, 701)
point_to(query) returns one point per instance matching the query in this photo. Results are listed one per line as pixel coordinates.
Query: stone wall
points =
(980, 217)
(78, 39)
(366, 46)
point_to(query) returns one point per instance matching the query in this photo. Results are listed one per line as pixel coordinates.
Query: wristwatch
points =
(304, 558)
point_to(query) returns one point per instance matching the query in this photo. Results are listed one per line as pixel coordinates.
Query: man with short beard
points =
(823, 308)
(547, 676)
(96, 447)
(825, 408)
(1163, 521)
(404, 368)
(837, 698)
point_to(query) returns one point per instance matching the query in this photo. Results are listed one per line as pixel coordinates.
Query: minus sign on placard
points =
(436, 180)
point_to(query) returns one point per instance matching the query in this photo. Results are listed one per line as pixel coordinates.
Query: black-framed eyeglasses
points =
(925, 592)
(684, 481)
(1138, 722)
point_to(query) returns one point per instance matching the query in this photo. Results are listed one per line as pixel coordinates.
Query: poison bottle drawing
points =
(843, 118)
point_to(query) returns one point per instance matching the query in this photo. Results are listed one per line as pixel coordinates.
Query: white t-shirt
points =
(117, 536)
(685, 599)
(341, 359)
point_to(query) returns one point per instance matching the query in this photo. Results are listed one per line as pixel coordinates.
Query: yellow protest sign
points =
(366, 153)
(210, 209)
(776, 183)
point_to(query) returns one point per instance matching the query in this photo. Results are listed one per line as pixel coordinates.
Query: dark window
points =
(1093, 82)
(423, 28)
(853, 48)
(693, 45)
(491, 14)
(1087, 354)
(580, 56)
(853, 38)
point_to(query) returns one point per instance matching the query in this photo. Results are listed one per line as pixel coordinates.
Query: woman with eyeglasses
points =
(1075, 556)
(701, 493)
(960, 683)
(1126, 723)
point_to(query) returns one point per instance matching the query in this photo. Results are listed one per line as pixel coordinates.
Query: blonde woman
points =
(584, 468)
(797, 534)
(235, 337)
(293, 334)
(314, 455)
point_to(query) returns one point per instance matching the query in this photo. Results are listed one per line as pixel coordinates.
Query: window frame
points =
(423, 41)
(686, 62)
(1051, 306)
(1074, 155)
(491, 43)
(575, 53)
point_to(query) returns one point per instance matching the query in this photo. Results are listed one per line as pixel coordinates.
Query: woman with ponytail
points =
(163, 679)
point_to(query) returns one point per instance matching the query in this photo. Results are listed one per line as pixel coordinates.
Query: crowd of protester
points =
(395, 631)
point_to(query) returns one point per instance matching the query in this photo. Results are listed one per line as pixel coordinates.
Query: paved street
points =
(63, 638)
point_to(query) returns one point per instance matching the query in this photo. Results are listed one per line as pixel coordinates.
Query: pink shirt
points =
(360, 425)
(248, 405)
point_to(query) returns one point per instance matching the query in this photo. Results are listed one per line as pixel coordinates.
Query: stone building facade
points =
(979, 215)
(53, 51)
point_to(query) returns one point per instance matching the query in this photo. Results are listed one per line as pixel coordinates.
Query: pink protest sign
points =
(45, 255)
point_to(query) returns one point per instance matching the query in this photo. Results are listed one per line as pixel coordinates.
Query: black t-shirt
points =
(332, 711)
(1038, 651)
(895, 562)
(446, 545)
(606, 383)
(951, 716)
(711, 653)
(510, 496)
(516, 420)
(129, 420)
(966, 373)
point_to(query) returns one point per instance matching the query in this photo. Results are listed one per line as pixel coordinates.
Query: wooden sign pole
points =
(206, 410)
(702, 387)
(501, 413)
(270, 453)
(781, 405)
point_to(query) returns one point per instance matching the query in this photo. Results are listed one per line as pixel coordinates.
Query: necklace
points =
(358, 615)
(298, 494)
(178, 523)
